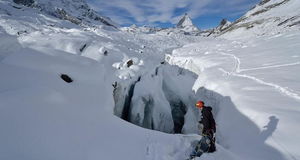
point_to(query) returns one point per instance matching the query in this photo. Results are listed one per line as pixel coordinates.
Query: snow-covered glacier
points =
(133, 93)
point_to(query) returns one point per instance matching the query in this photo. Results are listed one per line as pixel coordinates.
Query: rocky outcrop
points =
(224, 24)
(66, 78)
(75, 11)
(27, 3)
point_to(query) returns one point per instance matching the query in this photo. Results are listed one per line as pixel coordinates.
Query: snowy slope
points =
(75, 11)
(266, 18)
(42, 117)
(258, 116)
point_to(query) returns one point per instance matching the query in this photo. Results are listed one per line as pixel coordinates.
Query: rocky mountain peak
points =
(184, 21)
(185, 24)
(223, 25)
(75, 11)
(224, 22)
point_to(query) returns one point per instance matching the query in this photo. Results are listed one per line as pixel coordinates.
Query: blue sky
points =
(166, 13)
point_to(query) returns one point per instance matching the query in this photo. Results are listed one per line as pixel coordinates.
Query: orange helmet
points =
(200, 104)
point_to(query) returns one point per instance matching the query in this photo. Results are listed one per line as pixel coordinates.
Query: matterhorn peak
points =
(186, 24)
(184, 21)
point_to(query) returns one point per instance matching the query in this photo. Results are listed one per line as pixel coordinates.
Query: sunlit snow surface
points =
(260, 75)
(42, 117)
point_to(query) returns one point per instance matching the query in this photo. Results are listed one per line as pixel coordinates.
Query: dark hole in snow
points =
(115, 84)
(21, 32)
(66, 78)
(82, 48)
(178, 112)
(129, 63)
(165, 111)
(126, 110)
(156, 71)
(24, 2)
(105, 53)
(17, 7)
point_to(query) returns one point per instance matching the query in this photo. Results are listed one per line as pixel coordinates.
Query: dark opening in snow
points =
(126, 110)
(178, 112)
(156, 101)
(66, 78)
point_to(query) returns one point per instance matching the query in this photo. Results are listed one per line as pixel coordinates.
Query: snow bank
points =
(257, 105)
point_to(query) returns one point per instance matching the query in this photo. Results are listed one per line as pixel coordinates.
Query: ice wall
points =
(161, 99)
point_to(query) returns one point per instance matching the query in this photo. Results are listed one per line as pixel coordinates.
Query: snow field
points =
(244, 71)
(251, 83)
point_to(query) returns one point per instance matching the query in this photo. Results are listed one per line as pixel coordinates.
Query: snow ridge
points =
(267, 18)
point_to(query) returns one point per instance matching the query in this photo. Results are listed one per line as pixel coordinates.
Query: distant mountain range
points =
(75, 11)
(267, 17)
(184, 26)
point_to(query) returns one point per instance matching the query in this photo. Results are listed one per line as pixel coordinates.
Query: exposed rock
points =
(115, 85)
(22, 32)
(75, 11)
(223, 22)
(184, 21)
(263, 2)
(82, 48)
(17, 7)
(25, 2)
(105, 53)
(268, 17)
(287, 20)
(221, 27)
(186, 24)
(129, 63)
(62, 14)
(66, 78)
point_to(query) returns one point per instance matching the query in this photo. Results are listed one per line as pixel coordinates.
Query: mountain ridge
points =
(75, 11)
(267, 17)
